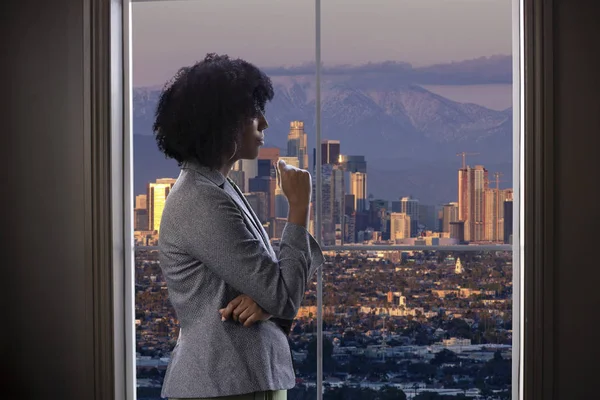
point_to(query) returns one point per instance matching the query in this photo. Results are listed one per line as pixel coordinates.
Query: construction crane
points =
(497, 175)
(464, 158)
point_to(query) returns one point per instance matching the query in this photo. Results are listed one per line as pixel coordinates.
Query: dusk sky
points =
(171, 34)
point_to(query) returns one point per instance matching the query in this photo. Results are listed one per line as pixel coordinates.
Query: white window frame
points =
(122, 193)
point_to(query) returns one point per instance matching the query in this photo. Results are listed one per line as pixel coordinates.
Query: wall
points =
(576, 57)
(47, 348)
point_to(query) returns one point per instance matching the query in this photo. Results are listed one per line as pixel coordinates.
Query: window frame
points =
(532, 175)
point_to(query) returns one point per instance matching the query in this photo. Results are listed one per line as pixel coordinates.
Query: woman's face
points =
(252, 138)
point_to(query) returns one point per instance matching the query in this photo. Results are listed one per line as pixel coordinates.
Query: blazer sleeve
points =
(219, 238)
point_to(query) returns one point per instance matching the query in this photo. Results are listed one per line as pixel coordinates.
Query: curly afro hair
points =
(203, 109)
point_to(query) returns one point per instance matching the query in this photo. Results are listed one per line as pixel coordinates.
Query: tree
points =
(311, 358)
(444, 357)
(390, 393)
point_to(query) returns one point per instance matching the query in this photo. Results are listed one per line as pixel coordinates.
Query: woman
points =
(233, 296)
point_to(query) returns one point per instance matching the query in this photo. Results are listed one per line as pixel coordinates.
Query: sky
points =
(169, 34)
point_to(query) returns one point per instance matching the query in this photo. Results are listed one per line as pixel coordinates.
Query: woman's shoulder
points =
(194, 194)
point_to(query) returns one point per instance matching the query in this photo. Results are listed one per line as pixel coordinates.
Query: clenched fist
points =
(296, 185)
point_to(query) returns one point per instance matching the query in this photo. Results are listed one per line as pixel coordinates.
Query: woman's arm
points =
(218, 236)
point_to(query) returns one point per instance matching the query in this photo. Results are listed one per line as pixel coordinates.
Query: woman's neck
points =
(226, 168)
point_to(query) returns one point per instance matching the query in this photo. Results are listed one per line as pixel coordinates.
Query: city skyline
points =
(350, 216)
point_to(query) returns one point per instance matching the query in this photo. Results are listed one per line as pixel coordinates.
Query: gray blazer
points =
(212, 249)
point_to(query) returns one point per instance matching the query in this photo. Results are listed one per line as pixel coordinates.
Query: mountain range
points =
(410, 136)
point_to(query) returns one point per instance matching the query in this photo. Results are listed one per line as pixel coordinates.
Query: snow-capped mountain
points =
(397, 125)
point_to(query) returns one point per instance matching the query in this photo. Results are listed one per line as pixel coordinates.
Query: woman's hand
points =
(245, 310)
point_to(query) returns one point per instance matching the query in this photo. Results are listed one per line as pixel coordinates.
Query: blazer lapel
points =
(253, 217)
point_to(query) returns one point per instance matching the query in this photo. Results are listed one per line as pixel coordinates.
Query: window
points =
(412, 161)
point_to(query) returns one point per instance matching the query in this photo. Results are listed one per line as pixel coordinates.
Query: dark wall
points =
(577, 137)
(47, 314)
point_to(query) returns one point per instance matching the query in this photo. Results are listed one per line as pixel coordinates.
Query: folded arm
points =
(218, 236)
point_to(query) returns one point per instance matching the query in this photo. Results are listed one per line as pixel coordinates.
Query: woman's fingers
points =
(251, 320)
(227, 312)
(246, 314)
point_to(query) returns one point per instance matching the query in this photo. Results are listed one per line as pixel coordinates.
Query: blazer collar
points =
(213, 175)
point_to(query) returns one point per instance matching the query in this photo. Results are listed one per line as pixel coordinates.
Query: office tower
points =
(266, 185)
(378, 214)
(472, 185)
(428, 217)
(267, 158)
(396, 206)
(353, 163)
(339, 197)
(258, 202)
(457, 231)
(449, 214)
(410, 207)
(508, 221)
(249, 169)
(494, 213)
(157, 195)
(349, 204)
(140, 213)
(297, 143)
(330, 152)
(327, 202)
(140, 219)
(141, 201)
(350, 228)
(400, 226)
(358, 187)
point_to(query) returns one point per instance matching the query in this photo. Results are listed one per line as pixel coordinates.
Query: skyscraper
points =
(450, 214)
(330, 152)
(269, 157)
(297, 143)
(157, 195)
(400, 226)
(494, 213)
(339, 198)
(358, 187)
(140, 213)
(508, 221)
(354, 163)
(141, 201)
(410, 207)
(249, 169)
(378, 209)
(140, 219)
(472, 186)
(332, 201)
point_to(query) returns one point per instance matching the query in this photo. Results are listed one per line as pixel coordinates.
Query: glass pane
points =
(416, 122)
(416, 322)
(417, 150)
(277, 37)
